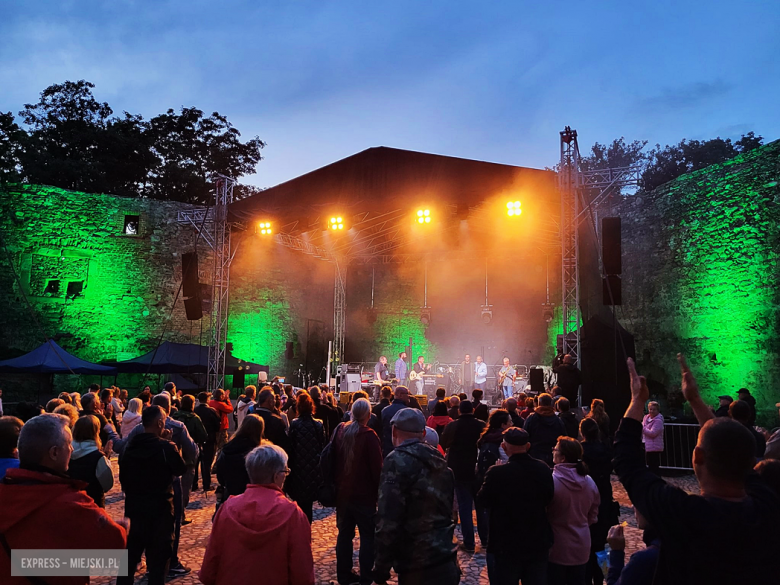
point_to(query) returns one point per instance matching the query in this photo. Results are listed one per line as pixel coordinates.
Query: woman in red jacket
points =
(221, 403)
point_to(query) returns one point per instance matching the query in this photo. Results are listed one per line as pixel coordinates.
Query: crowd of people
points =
(534, 473)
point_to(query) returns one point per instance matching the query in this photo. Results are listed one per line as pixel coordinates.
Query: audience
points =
(131, 417)
(260, 537)
(275, 429)
(231, 471)
(89, 462)
(742, 412)
(358, 463)
(306, 441)
(415, 530)
(570, 422)
(52, 404)
(42, 508)
(599, 414)
(640, 569)
(211, 422)
(400, 401)
(544, 428)
(198, 434)
(69, 411)
(728, 534)
(489, 452)
(481, 411)
(221, 403)
(574, 508)
(454, 409)
(244, 403)
(511, 405)
(459, 440)
(439, 419)
(653, 436)
(516, 496)
(10, 427)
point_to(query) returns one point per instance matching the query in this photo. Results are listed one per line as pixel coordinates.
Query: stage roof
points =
(378, 189)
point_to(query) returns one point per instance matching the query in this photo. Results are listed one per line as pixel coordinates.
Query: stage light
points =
(336, 223)
(513, 209)
(487, 314)
(425, 316)
(265, 228)
(548, 312)
(423, 216)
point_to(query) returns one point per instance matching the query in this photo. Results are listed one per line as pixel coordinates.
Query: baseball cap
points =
(729, 398)
(516, 436)
(409, 420)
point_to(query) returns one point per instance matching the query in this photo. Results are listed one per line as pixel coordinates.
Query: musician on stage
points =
(420, 368)
(480, 374)
(466, 378)
(381, 373)
(506, 379)
(401, 368)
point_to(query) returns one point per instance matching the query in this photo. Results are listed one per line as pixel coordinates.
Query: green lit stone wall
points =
(700, 275)
(122, 285)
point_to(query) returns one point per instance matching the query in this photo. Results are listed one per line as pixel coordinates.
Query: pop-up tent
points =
(179, 358)
(50, 358)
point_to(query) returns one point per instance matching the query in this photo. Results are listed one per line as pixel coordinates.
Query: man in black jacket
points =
(401, 400)
(460, 440)
(726, 535)
(147, 468)
(569, 419)
(544, 428)
(481, 411)
(519, 536)
(275, 431)
(569, 379)
(210, 418)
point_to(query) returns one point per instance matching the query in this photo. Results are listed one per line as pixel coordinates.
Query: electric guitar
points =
(414, 376)
(503, 376)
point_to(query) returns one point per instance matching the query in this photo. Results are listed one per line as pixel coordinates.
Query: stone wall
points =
(701, 258)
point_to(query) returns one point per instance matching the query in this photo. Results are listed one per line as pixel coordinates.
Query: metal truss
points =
(339, 314)
(569, 182)
(223, 256)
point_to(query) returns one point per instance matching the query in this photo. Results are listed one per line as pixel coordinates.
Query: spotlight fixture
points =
(548, 312)
(425, 315)
(513, 209)
(265, 228)
(336, 223)
(487, 314)
(423, 216)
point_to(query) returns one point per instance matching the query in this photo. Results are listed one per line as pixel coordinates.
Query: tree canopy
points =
(73, 141)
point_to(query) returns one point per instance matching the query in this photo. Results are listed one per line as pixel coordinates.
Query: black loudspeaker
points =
(189, 274)
(238, 379)
(193, 308)
(288, 351)
(611, 249)
(536, 379)
(612, 284)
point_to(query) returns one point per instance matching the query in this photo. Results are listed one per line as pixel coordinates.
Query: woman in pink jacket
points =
(574, 507)
(653, 437)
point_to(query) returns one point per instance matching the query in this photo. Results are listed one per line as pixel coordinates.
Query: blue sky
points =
(492, 81)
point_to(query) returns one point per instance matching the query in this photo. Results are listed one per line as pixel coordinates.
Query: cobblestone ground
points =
(201, 509)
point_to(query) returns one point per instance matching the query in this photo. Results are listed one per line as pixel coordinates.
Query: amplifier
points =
(349, 382)
(422, 399)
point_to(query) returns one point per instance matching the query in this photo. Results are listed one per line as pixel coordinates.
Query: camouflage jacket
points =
(415, 526)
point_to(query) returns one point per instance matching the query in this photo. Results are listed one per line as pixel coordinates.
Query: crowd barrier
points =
(679, 441)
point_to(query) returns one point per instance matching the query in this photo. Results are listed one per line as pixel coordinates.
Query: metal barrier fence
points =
(679, 441)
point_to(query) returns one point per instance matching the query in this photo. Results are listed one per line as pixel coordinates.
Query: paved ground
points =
(195, 535)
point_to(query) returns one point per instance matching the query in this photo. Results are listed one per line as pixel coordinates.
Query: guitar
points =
(414, 376)
(503, 376)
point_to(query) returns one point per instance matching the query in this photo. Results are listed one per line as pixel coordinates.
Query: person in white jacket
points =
(89, 463)
(244, 403)
(132, 417)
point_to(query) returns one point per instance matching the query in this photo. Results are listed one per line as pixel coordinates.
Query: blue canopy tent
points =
(50, 358)
(178, 358)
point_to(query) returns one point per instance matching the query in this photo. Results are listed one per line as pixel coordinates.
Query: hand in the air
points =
(690, 388)
(639, 390)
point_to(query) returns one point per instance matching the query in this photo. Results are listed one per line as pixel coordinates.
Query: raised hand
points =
(616, 539)
(639, 390)
(690, 388)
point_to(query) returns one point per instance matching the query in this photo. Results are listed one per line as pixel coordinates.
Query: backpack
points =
(326, 492)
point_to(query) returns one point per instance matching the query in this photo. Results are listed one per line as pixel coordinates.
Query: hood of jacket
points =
(81, 448)
(144, 446)
(545, 411)
(130, 417)
(423, 454)
(258, 515)
(244, 404)
(492, 436)
(25, 491)
(567, 474)
(183, 416)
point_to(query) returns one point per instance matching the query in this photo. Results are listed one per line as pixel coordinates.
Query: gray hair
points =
(361, 410)
(163, 400)
(264, 462)
(39, 434)
(135, 406)
(651, 403)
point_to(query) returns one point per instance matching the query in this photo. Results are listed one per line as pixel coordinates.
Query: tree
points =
(687, 156)
(191, 148)
(616, 155)
(11, 139)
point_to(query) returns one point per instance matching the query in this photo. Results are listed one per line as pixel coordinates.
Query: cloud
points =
(688, 95)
